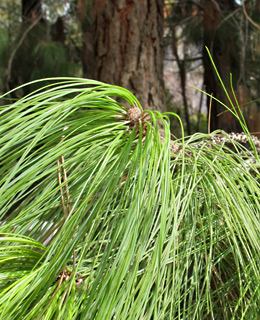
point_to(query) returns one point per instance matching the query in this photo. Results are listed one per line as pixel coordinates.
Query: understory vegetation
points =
(104, 215)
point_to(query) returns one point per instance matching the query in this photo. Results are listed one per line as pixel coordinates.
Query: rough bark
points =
(123, 46)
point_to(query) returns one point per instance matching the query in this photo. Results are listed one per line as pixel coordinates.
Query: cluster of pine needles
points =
(104, 217)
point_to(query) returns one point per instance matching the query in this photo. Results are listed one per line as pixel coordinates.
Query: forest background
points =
(154, 48)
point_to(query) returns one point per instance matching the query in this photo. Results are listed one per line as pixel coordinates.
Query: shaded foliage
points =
(41, 44)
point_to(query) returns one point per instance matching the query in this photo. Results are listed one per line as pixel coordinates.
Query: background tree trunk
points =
(122, 45)
(222, 41)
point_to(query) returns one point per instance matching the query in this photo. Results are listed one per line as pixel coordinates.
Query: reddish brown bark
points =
(123, 46)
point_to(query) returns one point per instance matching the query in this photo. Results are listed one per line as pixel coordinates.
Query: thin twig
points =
(200, 106)
(65, 175)
(63, 299)
(74, 257)
(248, 18)
(255, 133)
(53, 230)
(220, 301)
(10, 61)
(58, 226)
(67, 193)
(61, 191)
(66, 185)
(210, 105)
(53, 295)
(222, 285)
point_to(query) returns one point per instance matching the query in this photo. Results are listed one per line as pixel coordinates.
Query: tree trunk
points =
(223, 43)
(123, 45)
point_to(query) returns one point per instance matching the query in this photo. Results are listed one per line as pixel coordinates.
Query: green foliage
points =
(42, 58)
(103, 216)
(29, 52)
(51, 59)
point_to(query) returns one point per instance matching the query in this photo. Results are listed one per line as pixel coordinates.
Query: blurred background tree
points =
(130, 43)
(231, 31)
(39, 40)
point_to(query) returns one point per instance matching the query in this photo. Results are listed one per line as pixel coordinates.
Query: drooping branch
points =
(248, 17)
(20, 42)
